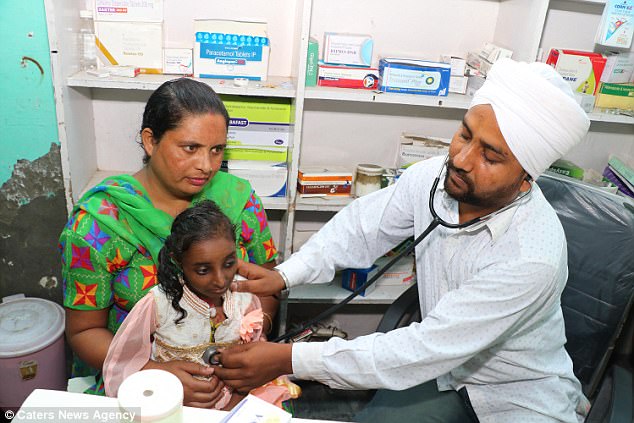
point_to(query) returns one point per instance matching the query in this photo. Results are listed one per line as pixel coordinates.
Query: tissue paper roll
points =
(152, 396)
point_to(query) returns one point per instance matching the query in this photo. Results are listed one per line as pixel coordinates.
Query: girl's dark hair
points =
(176, 99)
(200, 222)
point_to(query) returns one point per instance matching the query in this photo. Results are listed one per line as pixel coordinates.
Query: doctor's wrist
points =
(285, 285)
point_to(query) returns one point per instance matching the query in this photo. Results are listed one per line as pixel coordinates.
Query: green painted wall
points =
(27, 107)
(32, 200)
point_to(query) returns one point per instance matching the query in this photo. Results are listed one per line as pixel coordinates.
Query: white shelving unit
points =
(100, 117)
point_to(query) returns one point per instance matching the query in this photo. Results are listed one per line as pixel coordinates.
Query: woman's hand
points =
(260, 281)
(248, 366)
(197, 393)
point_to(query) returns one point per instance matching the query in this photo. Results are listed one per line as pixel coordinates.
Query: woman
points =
(111, 243)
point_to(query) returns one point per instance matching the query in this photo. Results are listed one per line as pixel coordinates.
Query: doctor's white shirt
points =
(489, 297)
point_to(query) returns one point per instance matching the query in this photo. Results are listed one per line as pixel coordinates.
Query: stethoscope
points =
(209, 356)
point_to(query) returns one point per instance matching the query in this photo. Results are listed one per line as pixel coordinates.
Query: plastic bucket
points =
(31, 348)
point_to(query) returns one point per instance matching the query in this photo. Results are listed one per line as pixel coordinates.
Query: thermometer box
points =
(411, 76)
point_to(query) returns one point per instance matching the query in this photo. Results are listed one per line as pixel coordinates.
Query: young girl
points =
(191, 308)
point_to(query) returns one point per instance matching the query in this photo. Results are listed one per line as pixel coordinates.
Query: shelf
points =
(270, 203)
(276, 86)
(332, 293)
(610, 117)
(333, 203)
(452, 101)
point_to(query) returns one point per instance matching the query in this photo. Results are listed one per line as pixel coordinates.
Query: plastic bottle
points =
(87, 45)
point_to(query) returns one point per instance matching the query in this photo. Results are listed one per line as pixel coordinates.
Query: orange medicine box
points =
(322, 181)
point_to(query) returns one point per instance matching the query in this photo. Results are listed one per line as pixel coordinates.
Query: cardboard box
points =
(128, 10)
(312, 181)
(458, 84)
(411, 76)
(267, 179)
(348, 77)
(619, 69)
(323, 175)
(582, 69)
(227, 49)
(256, 153)
(401, 273)
(312, 62)
(415, 148)
(348, 49)
(178, 61)
(616, 28)
(458, 64)
(615, 96)
(351, 279)
(492, 53)
(258, 121)
(137, 44)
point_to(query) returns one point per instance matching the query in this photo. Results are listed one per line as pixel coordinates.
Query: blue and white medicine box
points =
(226, 49)
(411, 76)
(351, 279)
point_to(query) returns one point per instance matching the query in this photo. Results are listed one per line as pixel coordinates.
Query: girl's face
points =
(188, 156)
(210, 266)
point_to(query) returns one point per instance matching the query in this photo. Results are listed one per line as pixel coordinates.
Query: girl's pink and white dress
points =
(150, 332)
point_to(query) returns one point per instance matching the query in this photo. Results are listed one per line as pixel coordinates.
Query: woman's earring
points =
(181, 280)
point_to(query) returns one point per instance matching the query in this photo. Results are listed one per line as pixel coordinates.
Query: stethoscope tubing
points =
(436, 221)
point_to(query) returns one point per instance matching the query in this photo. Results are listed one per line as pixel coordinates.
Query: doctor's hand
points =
(248, 366)
(197, 393)
(260, 281)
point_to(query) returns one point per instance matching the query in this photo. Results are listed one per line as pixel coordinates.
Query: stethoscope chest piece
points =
(210, 356)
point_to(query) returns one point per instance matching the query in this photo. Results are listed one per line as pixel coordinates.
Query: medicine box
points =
(411, 76)
(226, 49)
(348, 49)
(415, 148)
(348, 76)
(581, 69)
(313, 181)
(137, 44)
(458, 64)
(492, 53)
(268, 179)
(312, 62)
(615, 96)
(619, 69)
(458, 84)
(352, 279)
(258, 121)
(401, 273)
(178, 61)
(256, 153)
(128, 10)
(616, 28)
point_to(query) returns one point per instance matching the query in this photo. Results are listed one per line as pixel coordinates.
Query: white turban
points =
(535, 110)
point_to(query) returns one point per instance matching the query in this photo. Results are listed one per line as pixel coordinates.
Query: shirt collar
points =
(497, 225)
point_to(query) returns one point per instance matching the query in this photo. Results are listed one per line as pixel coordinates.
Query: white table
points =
(45, 405)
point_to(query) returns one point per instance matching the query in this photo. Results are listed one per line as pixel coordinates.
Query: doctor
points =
(490, 346)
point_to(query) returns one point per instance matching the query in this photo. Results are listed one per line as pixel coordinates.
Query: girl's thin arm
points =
(270, 304)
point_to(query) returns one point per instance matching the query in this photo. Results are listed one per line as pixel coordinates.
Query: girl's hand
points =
(197, 393)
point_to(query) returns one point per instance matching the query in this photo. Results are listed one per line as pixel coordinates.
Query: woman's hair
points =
(175, 100)
(200, 222)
